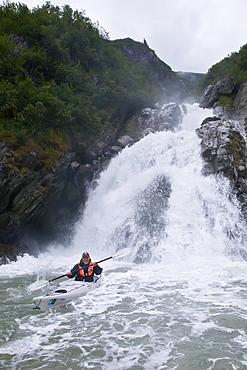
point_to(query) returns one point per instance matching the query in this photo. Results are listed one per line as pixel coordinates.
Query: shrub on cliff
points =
(233, 66)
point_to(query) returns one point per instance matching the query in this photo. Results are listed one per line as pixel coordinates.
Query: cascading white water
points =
(154, 199)
(182, 306)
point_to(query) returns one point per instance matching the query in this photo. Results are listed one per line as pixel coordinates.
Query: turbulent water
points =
(178, 301)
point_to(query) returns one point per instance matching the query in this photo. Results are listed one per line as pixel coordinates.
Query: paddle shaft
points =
(59, 277)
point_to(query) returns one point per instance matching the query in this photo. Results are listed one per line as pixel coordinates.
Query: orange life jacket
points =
(89, 270)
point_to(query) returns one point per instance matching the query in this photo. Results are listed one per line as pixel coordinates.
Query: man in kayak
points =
(85, 269)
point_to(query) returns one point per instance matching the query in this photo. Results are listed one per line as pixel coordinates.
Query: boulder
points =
(224, 151)
(89, 156)
(124, 141)
(115, 149)
(226, 86)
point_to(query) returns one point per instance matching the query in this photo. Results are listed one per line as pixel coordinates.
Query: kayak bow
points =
(65, 293)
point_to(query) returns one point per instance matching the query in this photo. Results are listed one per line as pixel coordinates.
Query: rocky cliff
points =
(171, 85)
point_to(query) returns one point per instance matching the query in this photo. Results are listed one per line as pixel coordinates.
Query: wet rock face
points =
(224, 140)
(149, 219)
(224, 151)
(226, 86)
(167, 117)
(240, 103)
(35, 208)
(150, 209)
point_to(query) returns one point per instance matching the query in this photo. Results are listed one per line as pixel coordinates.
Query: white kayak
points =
(65, 293)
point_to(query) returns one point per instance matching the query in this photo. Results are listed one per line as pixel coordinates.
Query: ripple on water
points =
(167, 319)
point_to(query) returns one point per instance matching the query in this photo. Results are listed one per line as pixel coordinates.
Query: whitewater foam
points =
(183, 307)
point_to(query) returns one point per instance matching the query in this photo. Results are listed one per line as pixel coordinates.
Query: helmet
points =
(85, 255)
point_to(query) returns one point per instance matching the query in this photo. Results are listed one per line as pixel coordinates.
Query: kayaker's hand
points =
(94, 264)
(69, 273)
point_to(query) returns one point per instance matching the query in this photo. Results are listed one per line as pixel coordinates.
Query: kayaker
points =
(85, 269)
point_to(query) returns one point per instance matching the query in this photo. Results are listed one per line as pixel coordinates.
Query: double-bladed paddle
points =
(42, 283)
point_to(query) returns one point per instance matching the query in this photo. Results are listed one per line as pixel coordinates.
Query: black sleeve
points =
(98, 270)
(74, 271)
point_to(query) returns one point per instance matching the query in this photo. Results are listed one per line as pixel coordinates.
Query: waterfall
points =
(178, 301)
(154, 199)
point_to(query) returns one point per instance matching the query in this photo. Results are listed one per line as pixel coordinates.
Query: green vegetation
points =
(225, 101)
(60, 77)
(234, 148)
(233, 66)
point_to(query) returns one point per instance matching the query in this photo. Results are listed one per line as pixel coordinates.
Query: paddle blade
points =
(37, 285)
(122, 253)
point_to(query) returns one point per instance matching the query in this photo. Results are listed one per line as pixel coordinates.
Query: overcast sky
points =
(188, 35)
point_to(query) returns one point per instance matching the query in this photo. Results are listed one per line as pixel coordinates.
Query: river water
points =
(178, 301)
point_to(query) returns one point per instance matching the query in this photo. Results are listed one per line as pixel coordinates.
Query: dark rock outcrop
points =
(226, 86)
(235, 108)
(35, 208)
(224, 151)
(240, 103)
